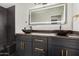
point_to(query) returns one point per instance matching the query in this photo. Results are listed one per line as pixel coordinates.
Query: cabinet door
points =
(54, 50)
(63, 51)
(56, 47)
(63, 47)
(19, 47)
(24, 45)
(72, 52)
(28, 45)
(28, 48)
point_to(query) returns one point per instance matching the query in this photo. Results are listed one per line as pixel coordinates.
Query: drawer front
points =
(40, 42)
(39, 52)
(39, 46)
(39, 39)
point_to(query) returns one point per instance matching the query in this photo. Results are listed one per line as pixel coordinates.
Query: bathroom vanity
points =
(47, 44)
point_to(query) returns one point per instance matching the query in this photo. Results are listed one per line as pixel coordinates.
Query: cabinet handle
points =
(21, 44)
(66, 52)
(62, 52)
(38, 40)
(42, 50)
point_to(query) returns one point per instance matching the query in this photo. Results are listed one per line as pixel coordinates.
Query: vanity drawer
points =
(39, 52)
(39, 39)
(39, 45)
(39, 42)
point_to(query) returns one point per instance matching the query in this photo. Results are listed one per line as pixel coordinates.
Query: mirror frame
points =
(49, 23)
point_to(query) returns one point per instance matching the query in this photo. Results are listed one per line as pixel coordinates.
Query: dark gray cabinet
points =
(33, 45)
(72, 52)
(28, 46)
(39, 45)
(28, 49)
(23, 45)
(63, 46)
(19, 47)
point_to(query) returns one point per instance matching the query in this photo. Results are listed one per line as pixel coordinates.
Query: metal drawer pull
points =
(21, 44)
(38, 40)
(62, 52)
(39, 49)
(66, 52)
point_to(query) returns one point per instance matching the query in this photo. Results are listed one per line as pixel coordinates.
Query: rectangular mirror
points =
(48, 14)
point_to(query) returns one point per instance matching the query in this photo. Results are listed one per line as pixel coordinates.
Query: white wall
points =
(68, 25)
(22, 16)
(76, 20)
(75, 8)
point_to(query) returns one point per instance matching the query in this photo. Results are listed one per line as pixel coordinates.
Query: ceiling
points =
(6, 5)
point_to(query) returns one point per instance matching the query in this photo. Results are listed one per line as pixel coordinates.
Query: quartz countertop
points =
(51, 34)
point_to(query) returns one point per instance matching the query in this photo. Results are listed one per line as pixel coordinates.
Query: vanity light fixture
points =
(40, 3)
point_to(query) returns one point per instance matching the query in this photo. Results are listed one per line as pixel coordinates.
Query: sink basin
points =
(26, 31)
(63, 33)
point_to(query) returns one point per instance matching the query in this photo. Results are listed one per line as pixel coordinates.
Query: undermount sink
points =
(26, 31)
(63, 33)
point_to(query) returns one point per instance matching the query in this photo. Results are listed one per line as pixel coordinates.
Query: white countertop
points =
(52, 34)
(44, 34)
